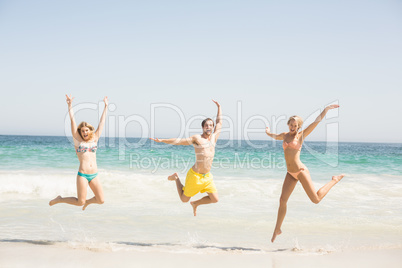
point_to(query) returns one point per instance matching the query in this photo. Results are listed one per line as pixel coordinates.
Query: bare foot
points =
(338, 178)
(276, 233)
(85, 205)
(173, 177)
(194, 207)
(54, 201)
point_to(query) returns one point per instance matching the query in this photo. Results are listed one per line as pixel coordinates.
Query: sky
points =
(162, 62)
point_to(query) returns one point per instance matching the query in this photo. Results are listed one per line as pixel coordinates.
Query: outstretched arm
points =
(218, 123)
(312, 126)
(102, 120)
(74, 132)
(187, 141)
(274, 136)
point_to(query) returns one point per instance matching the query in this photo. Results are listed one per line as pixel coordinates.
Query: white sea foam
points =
(143, 210)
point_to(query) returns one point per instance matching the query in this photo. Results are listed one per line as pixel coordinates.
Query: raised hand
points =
(69, 99)
(106, 101)
(156, 139)
(217, 104)
(267, 130)
(333, 106)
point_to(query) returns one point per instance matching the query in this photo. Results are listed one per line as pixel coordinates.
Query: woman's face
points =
(85, 133)
(293, 126)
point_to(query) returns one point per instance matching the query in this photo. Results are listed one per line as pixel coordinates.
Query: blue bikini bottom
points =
(89, 177)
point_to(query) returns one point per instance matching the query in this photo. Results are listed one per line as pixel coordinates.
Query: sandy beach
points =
(26, 254)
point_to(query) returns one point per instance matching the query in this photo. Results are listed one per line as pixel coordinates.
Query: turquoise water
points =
(259, 158)
(142, 208)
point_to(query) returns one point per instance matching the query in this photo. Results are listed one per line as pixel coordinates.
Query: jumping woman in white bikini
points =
(85, 142)
(296, 170)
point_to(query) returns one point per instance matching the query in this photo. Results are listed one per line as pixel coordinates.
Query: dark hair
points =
(205, 120)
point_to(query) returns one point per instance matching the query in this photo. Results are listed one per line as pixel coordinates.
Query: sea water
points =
(142, 210)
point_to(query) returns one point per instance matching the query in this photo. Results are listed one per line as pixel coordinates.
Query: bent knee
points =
(215, 200)
(184, 198)
(315, 200)
(101, 201)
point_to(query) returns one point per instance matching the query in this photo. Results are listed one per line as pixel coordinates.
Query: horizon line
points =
(220, 139)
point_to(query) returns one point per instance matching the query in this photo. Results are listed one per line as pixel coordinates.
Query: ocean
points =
(142, 210)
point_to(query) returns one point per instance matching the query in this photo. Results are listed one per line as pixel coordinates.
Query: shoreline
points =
(30, 254)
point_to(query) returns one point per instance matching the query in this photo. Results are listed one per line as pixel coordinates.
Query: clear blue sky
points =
(278, 58)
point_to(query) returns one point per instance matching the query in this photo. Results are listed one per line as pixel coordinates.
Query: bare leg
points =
(82, 185)
(179, 185)
(211, 198)
(287, 189)
(96, 188)
(308, 186)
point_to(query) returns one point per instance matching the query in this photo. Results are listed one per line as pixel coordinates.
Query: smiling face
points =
(293, 126)
(295, 123)
(208, 127)
(86, 133)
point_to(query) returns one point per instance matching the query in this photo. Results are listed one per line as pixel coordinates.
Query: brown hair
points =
(298, 120)
(205, 120)
(85, 124)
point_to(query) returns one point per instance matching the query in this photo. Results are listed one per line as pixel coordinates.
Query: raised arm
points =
(187, 141)
(312, 126)
(74, 132)
(102, 120)
(218, 123)
(274, 136)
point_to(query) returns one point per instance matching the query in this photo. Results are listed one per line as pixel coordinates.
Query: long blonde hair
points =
(85, 124)
(298, 120)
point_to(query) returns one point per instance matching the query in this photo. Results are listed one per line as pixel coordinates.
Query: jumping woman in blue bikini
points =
(85, 142)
